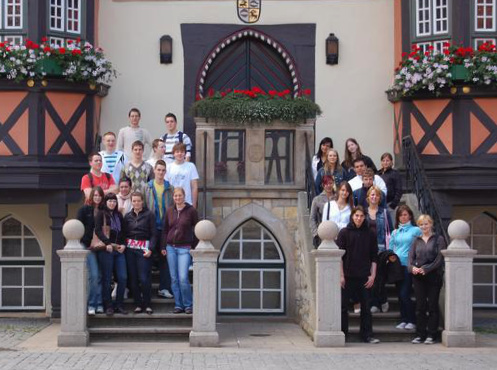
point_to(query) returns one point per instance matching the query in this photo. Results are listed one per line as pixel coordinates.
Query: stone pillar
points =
(328, 332)
(458, 288)
(204, 333)
(73, 331)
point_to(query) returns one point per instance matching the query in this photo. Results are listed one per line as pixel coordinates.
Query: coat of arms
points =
(249, 11)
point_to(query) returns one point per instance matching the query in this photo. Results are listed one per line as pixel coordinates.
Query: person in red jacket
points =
(177, 241)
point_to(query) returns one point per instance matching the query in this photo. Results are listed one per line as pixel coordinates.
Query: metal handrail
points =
(309, 178)
(204, 190)
(417, 183)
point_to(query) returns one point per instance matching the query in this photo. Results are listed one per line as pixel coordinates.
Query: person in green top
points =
(159, 197)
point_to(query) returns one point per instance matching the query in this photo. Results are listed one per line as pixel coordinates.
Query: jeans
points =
(427, 291)
(139, 276)
(354, 287)
(404, 290)
(113, 262)
(94, 281)
(179, 263)
(161, 262)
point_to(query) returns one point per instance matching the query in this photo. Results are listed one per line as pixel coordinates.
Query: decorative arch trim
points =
(243, 33)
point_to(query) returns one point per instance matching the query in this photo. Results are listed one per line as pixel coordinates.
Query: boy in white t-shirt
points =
(183, 174)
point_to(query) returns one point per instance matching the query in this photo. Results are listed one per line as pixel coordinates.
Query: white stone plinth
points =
(458, 288)
(204, 332)
(328, 257)
(73, 332)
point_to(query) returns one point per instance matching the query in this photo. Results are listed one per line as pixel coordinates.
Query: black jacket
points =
(394, 186)
(86, 216)
(361, 249)
(114, 237)
(389, 270)
(427, 255)
(141, 226)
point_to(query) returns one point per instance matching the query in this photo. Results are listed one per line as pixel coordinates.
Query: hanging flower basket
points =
(459, 72)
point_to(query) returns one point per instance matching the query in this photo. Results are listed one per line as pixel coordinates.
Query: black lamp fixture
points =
(166, 49)
(332, 49)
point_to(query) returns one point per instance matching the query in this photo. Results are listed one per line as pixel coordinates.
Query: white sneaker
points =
(402, 325)
(190, 268)
(429, 340)
(410, 326)
(114, 292)
(384, 307)
(357, 308)
(91, 311)
(100, 309)
(164, 293)
(375, 309)
(126, 293)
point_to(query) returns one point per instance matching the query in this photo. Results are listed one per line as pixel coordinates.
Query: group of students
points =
(362, 201)
(138, 214)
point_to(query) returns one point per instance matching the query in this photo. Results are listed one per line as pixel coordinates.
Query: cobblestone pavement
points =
(16, 330)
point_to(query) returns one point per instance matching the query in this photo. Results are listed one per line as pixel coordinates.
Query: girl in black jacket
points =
(392, 180)
(358, 270)
(111, 230)
(86, 215)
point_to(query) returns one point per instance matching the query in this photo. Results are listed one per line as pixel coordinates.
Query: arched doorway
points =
(248, 59)
(22, 267)
(251, 272)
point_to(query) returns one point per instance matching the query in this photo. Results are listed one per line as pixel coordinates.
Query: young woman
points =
(110, 229)
(331, 167)
(339, 210)
(380, 223)
(401, 241)
(86, 215)
(320, 157)
(158, 152)
(392, 180)
(318, 203)
(124, 196)
(353, 151)
(358, 270)
(426, 266)
(140, 239)
(177, 241)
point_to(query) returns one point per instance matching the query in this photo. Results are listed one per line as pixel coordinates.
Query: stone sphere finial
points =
(328, 230)
(205, 230)
(73, 230)
(458, 229)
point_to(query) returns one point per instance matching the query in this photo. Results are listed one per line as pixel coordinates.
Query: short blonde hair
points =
(180, 189)
(377, 190)
(423, 218)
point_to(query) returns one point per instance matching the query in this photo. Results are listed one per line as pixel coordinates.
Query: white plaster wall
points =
(351, 94)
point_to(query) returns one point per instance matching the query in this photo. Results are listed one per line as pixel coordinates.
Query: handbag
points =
(96, 244)
(387, 232)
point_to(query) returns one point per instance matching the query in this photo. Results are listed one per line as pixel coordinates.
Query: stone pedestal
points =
(328, 331)
(204, 333)
(73, 331)
(458, 288)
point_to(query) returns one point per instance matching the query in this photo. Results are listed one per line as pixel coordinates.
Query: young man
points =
(137, 170)
(158, 197)
(360, 195)
(96, 177)
(183, 174)
(173, 136)
(128, 135)
(113, 160)
(356, 182)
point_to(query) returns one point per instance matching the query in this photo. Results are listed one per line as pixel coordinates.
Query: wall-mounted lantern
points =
(166, 49)
(332, 49)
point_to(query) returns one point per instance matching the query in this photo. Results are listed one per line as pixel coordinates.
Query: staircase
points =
(162, 325)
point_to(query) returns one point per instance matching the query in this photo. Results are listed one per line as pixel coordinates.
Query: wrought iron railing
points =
(417, 183)
(309, 178)
(204, 187)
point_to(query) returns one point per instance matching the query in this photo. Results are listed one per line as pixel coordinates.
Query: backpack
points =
(180, 136)
(90, 176)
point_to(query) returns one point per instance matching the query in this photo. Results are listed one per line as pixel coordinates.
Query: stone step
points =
(139, 334)
(387, 318)
(384, 332)
(141, 319)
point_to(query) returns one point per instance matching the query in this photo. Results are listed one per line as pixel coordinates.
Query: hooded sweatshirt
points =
(361, 250)
(401, 241)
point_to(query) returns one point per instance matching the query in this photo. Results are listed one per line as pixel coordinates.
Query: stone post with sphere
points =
(204, 332)
(73, 330)
(328, 332)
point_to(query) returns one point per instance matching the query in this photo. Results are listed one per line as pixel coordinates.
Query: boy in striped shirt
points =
(174, 136)
(113, 160)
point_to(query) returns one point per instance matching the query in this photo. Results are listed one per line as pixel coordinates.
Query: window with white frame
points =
(481, 41)
(22, 267)
(483, 238)
(438, 46)
(57, 15)
(251, 272)
(12, 21)
(485, 15)
(56, 41)
(423, 17)
(440, 17)
(431, 24)
(65, 18)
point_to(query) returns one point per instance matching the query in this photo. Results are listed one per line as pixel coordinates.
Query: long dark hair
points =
(348, 155)
(350, 199)
(110, 196)
(325, 140)
(90, 202)
(400, 209)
